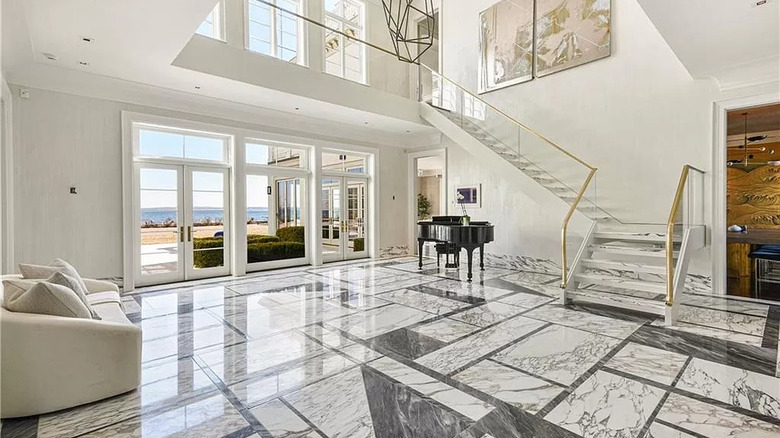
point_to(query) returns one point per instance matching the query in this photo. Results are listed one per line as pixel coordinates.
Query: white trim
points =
(7, 196)
(720, 137)
(411, 184)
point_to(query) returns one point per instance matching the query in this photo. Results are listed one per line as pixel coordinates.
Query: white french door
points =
(182, 222)
(344, 218)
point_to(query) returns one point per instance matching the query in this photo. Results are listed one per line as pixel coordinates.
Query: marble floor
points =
(380, 349)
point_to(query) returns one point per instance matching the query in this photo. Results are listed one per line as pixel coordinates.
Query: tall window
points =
(345, 57)
(212, 25)
(276, 33)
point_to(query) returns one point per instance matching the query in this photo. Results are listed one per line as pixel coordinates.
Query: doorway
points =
(182, 229)
(344, 218)
(427, 181)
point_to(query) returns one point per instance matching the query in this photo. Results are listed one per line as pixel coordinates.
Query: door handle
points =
(189, 233)
(181, 233)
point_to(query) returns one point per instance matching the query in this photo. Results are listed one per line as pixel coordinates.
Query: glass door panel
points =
(356, 219)
(331, 219)
(208, 225)
(159, 243)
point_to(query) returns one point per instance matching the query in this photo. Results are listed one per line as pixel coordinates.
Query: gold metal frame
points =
(564, 228)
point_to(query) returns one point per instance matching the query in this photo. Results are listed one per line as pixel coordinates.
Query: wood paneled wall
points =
(753, 198)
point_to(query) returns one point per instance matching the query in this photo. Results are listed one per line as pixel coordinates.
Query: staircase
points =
(617, 264)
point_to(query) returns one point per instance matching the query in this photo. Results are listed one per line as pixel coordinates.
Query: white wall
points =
(63, 140)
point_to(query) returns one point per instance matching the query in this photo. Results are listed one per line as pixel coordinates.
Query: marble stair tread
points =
(655, 307)
(623, 266)
(640, 251)
(621, 282)
(634, 237)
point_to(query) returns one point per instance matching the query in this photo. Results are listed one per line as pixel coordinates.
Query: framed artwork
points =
(469, 196)
(571, 33)
(506, 39)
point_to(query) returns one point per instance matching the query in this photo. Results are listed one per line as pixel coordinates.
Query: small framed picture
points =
(469, 196)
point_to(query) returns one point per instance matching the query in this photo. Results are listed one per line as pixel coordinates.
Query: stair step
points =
(620, 282)
(623, 266)
(633, 237)
(655, 307)
(642, 251)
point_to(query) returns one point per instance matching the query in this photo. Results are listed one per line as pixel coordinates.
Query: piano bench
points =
(447, 249)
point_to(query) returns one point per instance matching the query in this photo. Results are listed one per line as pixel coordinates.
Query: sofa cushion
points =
(44, 298)
(40, 272)
(104, 297)
(75, 286)
(111, 312)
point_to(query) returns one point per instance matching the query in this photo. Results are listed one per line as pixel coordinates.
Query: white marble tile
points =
(270, 284)
(558, 353)
(476, 346)
(422, 301)
(658, 430)
(375, 322)
(446, 329)
(582, 320)
(189, 342)
(271, 385)
(746, 389)
(651, 363)
(711, 421)
(607, 405)
(338, 405)
(329, 338)
(402, 282)
(356, 300)
(488, 314)
(465, 289)
(433, 388)
(359, 353)
(525, 301)
(722, 303)
(735, 322)
(518, 389)
(531, 279)
(175, 324)
(196, 419)
(281, 422)
(711, 332)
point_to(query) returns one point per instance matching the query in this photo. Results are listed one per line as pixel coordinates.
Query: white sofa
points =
(48, 363)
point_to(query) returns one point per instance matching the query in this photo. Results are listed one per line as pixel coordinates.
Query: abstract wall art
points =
(506, 44)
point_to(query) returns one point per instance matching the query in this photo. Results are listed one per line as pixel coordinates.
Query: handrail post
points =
(670, 236)
(565, 227)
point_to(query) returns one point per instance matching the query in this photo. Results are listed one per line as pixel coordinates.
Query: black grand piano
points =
(447, 230)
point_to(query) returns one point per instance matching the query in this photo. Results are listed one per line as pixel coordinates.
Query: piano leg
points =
(481, 257)
(419, 252)
(470, 252)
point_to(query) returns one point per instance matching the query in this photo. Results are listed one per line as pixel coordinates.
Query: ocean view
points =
(163, 215)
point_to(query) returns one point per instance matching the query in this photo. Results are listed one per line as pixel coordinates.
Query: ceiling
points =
(733, 41)
(137, 41)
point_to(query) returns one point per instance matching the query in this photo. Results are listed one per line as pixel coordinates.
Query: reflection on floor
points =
(380, 349)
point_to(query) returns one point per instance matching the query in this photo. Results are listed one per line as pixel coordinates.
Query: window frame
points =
(362, 28)
(302, 58)
(137, 127)
(218, 22)
(304, 158)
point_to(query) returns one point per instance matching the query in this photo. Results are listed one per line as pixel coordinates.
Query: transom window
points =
(338, 161)
(258, 152)
(160, 142)
(274, 32)
(345, 57)
(212, 26)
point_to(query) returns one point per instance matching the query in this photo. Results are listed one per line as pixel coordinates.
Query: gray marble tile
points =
(746, 389)
(446, 329)
(281, 422)
(375, 322)
(735, 322)
(346, 391)
(435, 389)
(525, 301)
(514, 387)
(712, 421)
(164, 385)
(240, 362)
(607, 405)
(197, 419)
(474, 347)
(651, 363)
(658, 430)
(271, 385)
(422, 301)
(488, 314)
(582, 320)
(558, 353)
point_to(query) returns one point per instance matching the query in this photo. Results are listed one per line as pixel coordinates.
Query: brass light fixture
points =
(745, 146)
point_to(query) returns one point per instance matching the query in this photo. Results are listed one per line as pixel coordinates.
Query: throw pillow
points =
(44, 298)
(71, 283)
(43, 272)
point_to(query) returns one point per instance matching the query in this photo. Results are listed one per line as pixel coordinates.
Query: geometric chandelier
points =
(402, 18)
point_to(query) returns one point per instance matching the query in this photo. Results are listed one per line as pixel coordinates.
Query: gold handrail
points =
(670, 232)
(565, 226)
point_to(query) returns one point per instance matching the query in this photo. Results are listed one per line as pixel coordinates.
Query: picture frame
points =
(506, 44)
(469, 195)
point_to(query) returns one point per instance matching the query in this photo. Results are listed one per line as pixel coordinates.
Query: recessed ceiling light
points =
(297, 108)
(84, 64)
(366, 122)
(408, 131)
(51, 57)
(87, 39)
